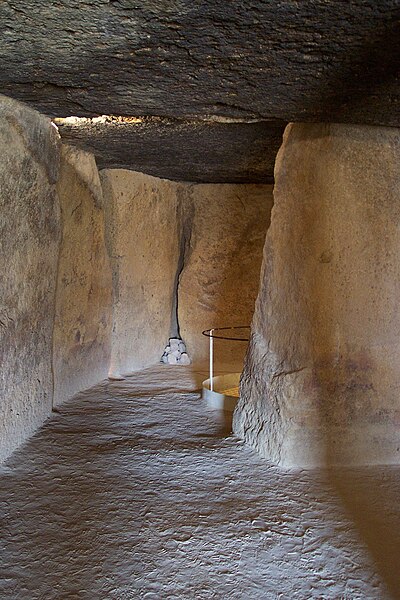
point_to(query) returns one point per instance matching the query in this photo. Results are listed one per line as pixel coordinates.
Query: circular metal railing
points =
(210, 333)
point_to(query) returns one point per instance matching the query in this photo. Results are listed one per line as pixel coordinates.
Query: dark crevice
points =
(185, 216)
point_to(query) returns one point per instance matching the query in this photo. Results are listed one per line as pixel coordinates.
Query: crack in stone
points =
(285, 373)
(185, 214)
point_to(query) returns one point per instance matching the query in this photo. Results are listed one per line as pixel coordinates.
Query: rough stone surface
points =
(220, 278)
(82, 329)
(321, 383)
(261, 64)
(29, 241)
(143, 245)
(296, 61)
(207, 152)
(185, 257)
(134, 491)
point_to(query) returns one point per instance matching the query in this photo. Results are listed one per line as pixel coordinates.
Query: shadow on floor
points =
(371, 496)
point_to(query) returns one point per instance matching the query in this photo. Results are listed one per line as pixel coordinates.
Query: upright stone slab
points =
(143, 244)
(321, 384)
(82, 330)
(29, 242)
(221, 272)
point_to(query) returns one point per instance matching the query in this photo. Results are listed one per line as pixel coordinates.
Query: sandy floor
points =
(134, 490)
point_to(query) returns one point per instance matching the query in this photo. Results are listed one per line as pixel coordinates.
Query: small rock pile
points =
(175, 353)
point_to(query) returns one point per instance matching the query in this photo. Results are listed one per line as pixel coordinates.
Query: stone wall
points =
(29, 241)
(91, 269)
(82, 330)
(322, 382)
(185, 257)
(220, 278)
(143, 244)
(55, 302)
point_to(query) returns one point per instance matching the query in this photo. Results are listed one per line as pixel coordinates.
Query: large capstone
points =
(293, 61)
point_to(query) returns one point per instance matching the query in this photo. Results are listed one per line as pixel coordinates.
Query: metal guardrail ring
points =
(210, 333)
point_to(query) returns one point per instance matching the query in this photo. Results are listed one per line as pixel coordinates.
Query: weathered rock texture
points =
(29, 240)
(143, 244)
(334, 61)
(136, 490)
(321, 383)
(220, 279)
(295, 61)
(185, 258)
(182, 150)
(82, 331)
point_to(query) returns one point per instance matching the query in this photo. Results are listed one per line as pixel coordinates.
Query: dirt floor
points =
(134, 489)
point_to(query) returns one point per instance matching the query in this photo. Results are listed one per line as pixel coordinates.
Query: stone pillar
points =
(143, 245)
(82, 326)
(221, 271)
(321, 384)
(29, 245)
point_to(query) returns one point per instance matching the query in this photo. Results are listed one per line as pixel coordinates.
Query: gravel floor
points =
(134, 489)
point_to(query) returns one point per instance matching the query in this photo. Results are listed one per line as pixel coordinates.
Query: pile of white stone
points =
(175, 353)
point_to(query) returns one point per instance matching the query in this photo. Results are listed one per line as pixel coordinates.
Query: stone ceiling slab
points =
(314, 60)
(182, 150)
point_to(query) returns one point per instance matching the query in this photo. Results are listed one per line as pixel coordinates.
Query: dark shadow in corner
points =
(371, 497)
